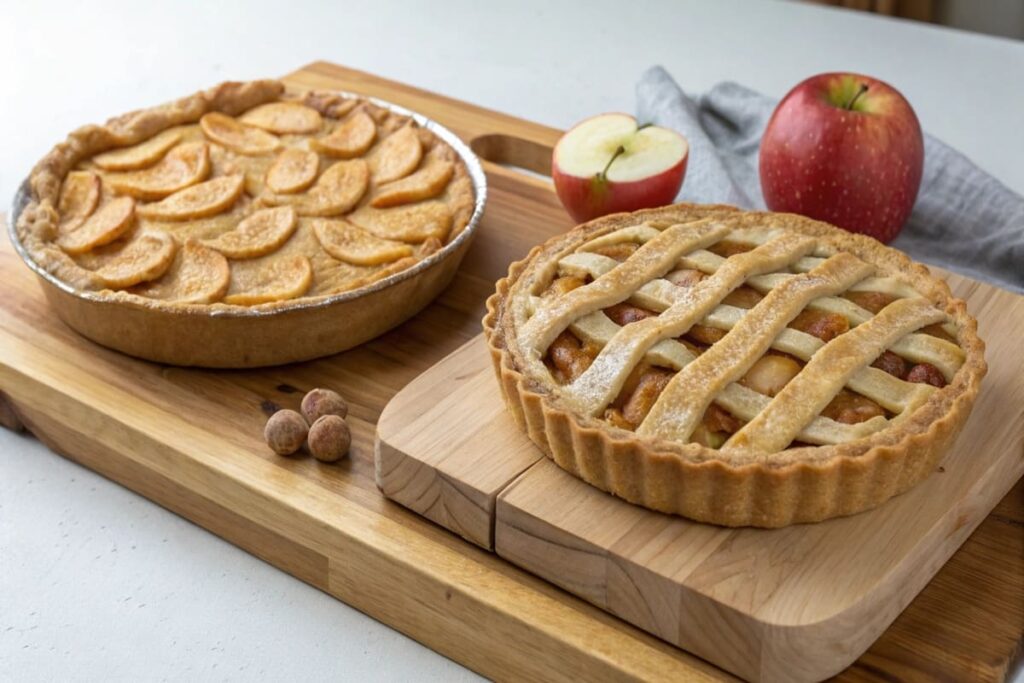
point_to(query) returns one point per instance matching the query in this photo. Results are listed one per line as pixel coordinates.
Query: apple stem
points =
(604, 174)
(645, 125)
(860, 91)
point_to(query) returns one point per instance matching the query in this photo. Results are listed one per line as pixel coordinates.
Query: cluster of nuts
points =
(321, 426)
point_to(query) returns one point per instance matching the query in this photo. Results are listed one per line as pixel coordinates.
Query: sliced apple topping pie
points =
(245, 195)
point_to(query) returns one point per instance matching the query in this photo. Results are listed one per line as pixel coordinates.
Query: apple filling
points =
(568, 356)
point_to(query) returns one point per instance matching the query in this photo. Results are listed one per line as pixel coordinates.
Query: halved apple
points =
(609, 163)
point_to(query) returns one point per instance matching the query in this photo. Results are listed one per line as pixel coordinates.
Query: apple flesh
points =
(845, 149)
(608, 163)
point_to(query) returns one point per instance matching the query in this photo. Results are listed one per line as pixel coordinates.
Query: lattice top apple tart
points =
(244, 195)
(734, 367)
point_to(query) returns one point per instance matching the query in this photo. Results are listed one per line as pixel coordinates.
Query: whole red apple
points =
(846, 149)
(608, 164)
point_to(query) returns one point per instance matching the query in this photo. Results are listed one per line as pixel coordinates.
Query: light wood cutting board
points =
(793, 604)
(191, 441)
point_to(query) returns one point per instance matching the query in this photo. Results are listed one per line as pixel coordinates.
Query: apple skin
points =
(608, 163)
(588, 198)
(859, 168)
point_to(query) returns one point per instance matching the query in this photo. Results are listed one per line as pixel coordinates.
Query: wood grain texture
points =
(191, 441)
(439, 482)
(9, 417)
(799, 603)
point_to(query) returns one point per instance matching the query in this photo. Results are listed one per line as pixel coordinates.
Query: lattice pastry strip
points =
(598, 386)
(807, 394)
(679, 408)
(659, 294)
(742, 402)
(708, 262)
(920, 348)
(891, 393)
(650, 261)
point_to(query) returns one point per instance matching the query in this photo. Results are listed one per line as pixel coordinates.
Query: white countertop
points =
(96, 582)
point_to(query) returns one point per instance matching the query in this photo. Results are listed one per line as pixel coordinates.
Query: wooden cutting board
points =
(191, 441)
(793, 604)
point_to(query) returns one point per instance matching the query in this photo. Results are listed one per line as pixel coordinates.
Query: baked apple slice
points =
(112, 220)
(397, 156)
(350, 139)
(277, 278)
(236, 136)
(198, 275)
(284, 118)
(79, 196)
(352, 244)
(185, 165)
(198, 201)
(426, 183)
(138, 156)
(259, 234)
(146, 256)
(293, 171)
(413, 223)
(338, 189)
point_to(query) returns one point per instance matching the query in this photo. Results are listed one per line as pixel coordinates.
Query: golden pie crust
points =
(750, 479)
(300, 195)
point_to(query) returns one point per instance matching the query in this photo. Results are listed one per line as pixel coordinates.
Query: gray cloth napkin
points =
(964, 219)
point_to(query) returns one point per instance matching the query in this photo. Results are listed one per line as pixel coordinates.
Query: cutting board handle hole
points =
(515, 153)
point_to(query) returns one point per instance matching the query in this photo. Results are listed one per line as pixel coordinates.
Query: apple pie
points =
(244, 195)
(734, 367)
(174, 233)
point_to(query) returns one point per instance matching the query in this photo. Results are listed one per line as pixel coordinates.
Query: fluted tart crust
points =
(738, 368)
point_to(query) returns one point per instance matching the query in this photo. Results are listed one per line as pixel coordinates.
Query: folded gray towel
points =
(964, 219)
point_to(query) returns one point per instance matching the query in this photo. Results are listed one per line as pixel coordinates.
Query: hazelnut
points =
(329, 438)
(320, 402)
(285, 432)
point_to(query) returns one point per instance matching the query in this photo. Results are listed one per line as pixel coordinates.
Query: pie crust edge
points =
(793, 486)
